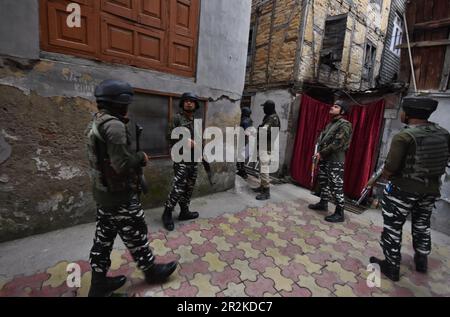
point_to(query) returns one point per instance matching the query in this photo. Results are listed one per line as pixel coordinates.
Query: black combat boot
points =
(185, 214)
(421, 262)
(159, 273)
(390, 271)
(338, 215)
(322, 205)
(264, 195)
(258, 189)
(167, 219)
(104, 286)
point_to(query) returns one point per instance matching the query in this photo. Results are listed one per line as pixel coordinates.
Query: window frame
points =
(339, 47)
(373, 52)
(396, 37)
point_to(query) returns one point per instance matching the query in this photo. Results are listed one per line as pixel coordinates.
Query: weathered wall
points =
(19, 31)
(276, 25)
(441, 215)
(47, 104)
(365, 21)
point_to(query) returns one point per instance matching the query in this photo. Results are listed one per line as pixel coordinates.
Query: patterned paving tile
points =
(297, 291)
(235, 290)
(247, 273)
(327, 279)
(214, 262)
(232, 255)
(278, 258)
(201, 249)
(281, 283)
(260, 287)
(203, 283)
(249, 251)
(224, 278)
(158, 246)
(186, 254)
(197, 266)
(310, 283)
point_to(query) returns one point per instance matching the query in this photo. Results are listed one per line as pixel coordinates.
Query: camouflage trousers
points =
(128, 221)
(331, 180)
(264, 169)
(185, 175)
(397, 205)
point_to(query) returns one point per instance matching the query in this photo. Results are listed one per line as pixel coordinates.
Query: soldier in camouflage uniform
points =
(416, 161)
(333, 143)
(270, 121)
(116, 191)
(185, 173)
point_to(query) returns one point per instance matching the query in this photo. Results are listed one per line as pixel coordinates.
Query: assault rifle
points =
(370, 184)
(142, 182)
(315, 162)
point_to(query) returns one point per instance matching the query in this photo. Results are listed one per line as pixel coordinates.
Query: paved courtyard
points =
(279, 248)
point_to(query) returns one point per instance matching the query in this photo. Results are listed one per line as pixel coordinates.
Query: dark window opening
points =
(333, 40)
(153, 112)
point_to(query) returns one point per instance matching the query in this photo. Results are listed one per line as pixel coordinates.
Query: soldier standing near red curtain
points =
(333, 143)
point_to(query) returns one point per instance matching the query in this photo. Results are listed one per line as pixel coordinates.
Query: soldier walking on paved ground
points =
(116, 191)
(333, 144)
(417, 159)
(185, 172)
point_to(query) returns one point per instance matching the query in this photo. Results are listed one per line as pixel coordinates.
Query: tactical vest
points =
(432, 153)
(103, 175)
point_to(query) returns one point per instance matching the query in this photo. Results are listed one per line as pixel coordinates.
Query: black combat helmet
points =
(269, 107)
(246, 111)
(345, 106)
(114, 93)
(192, 97)
(419, 107)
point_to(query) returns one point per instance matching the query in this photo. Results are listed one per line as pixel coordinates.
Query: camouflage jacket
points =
(181, 120)
(335, 140)
(113, 162)
(269, 122)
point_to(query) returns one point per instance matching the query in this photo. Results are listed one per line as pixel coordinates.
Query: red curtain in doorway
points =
(360, 160)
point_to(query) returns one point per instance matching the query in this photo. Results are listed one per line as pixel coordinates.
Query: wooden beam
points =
(425, 44)
(432, 24)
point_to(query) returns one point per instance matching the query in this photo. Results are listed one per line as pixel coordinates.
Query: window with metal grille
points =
(154, 34)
